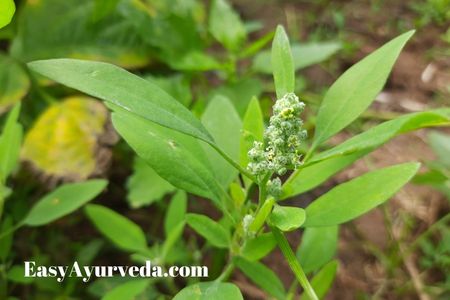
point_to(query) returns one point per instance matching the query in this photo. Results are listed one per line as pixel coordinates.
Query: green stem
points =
(226, 273)
(11, 230)
(293, 262)
(232, 162)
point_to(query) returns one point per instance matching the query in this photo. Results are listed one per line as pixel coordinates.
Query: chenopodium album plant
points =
(232, 162)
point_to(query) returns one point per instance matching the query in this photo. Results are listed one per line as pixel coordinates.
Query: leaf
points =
(178, 86)
(210, 290)
(252, 130)
(128, 290)
(14, 82)
(103, 8)
(176, 212)
(304, 55)
(378, 135)
(222, 121)
(259, 246)
(309, 177)
(282, 63)
(7, 10)
(264, 277)
(318, 247)
(70, 32)
(195, 61)
(210, 230)
(145, 186)
(121, 88)
(16, 274)
(10, 142)
(63, 140)
(171, 238)
(226, 26)
(121, 231)
(356, 197)
(6, 241)
(287, 218)
(355, 90)
(166, 150)
(440, 143)
(64, 200)
(323, 280)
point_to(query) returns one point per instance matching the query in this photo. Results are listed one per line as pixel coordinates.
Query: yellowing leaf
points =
(63, 139)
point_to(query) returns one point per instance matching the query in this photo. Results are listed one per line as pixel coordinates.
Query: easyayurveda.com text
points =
(86, 273)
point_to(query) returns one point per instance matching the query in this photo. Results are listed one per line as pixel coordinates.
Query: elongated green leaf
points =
(380, 134)
(282, 63)
(121, 231)
(175, 212)
(7, 240)
(353, 92)
(14, 82)
(7, 9)
(323, 280)
(311, 176)
(10, 141)
(212, 231)
(318, 247)
(166, 150)
(259, 246)
(356, 197)
(171, 238)
(64, 200)
(264, 277)
(252, 129)
(128, 91)
(222, 121)
(304, 55)
(226, 26)
(127, 291)
(210, 290)
(287, 218)
(145, 186)
(441, 146)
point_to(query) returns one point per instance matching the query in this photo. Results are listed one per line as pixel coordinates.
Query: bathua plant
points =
(247, 170)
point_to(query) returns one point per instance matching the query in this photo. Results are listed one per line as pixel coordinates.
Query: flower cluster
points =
(279, 150)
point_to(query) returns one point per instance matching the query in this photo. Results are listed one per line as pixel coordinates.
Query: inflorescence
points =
(279, 150)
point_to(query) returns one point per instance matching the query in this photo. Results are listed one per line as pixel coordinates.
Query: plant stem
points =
(226, 273)
(232, 162)
(293, 262)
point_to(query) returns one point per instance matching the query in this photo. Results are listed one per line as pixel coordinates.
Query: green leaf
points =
(356, 197)
(282, 63)
(309, 177)
(222, 121)
(304, 55)
(440, 143)
(121, 88)
(7, 10)
(226, 26)
(264, 277)
(64, 139)
(212, 231)
(145, 186)
(70, 32)
(252, 130)
(378, 135)
(318, 247)
(128, 290)
(7, 240)
(175, 212)
(10, 142)
(171, 238)
(259, 246)
(166, 150)
(210, 290)
(178, 86)
(355, 90)
(195, 61)
(16, 274)
(323, 280)
(121, 231)
(64, 200)
(14, 82)
(103, 8)
(287, 218)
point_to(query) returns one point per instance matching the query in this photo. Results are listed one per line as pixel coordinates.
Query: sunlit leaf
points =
(14, 82)
(323, 280)
(10, 142)
(127, 291)
(7, 9)
(287, 218)
(282, 63)
(212, 231)
(259, 246)
(210, 290)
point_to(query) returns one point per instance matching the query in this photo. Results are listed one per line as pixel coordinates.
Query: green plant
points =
(205, 158)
